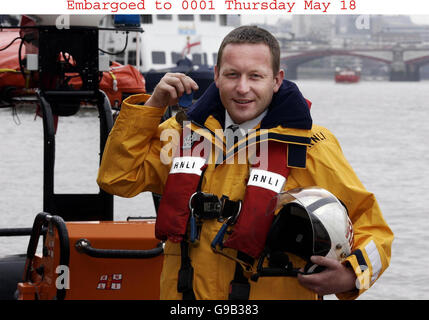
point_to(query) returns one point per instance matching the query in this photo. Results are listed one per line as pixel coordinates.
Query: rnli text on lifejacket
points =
(265, 179)
(187, 165)
(184, 165)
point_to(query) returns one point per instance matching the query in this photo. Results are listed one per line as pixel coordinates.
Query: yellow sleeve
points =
(137, 155)
(328, 168)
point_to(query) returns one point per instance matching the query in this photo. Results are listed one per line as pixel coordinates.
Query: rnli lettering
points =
(317, 137)
(184, 165)
(187, 165)
(265, 179)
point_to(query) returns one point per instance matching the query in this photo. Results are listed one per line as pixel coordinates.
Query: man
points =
(249, 91)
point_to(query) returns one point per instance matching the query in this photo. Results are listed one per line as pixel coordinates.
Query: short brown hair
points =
(252, 35)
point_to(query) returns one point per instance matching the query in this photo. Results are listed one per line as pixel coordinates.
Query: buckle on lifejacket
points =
(205, 205)
(209, 206)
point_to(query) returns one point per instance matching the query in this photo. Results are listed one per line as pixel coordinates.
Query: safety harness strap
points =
(186, 273)
(239, 287)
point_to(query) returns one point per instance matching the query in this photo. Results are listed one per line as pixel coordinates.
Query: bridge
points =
(404, 62)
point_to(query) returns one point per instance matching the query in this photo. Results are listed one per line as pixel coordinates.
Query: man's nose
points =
(243, 85)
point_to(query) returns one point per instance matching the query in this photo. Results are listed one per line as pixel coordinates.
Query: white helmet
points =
(310, 221)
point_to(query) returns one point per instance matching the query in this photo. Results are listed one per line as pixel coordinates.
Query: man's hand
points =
(335, 278)
(170, 88)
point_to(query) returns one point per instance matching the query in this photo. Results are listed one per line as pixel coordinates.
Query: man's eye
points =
(255, 76)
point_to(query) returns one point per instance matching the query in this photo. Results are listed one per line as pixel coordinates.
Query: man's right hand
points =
(170, 88)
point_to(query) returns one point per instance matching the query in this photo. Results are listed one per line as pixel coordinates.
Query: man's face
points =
(246, 81)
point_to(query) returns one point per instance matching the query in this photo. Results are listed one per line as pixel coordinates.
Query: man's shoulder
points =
(321, 135)
(315, 128)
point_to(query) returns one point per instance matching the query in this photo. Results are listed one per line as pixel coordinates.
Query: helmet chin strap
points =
(311, 268)
(279, 265)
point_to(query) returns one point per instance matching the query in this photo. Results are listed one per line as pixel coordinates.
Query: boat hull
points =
(347, 78)
(95, 276)
(11, 271)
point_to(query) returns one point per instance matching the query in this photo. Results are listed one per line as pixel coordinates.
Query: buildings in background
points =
(345, 31)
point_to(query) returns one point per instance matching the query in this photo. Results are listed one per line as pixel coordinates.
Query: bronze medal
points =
(181, 116)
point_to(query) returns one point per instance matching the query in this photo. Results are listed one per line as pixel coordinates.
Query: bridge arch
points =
(294, 61)
(412, 67)
(418, 62)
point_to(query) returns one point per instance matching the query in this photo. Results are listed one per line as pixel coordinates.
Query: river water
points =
(382, 127)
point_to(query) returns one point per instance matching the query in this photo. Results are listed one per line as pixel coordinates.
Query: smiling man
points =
(208, 196)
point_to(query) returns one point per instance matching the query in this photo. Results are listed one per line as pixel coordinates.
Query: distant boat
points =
(347, 75)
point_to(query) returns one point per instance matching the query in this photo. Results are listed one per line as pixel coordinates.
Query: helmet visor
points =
(296, 228)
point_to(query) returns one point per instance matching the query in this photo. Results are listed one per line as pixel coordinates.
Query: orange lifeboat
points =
(347, 75)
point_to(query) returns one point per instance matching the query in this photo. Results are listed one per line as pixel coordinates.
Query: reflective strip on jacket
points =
(136, 158)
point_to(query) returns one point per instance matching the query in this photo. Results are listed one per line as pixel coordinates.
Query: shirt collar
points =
(247, 125)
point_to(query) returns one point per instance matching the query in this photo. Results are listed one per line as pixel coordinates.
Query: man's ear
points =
(216, 74)
(278, 80)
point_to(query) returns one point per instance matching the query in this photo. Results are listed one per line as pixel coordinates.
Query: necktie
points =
(233, 134)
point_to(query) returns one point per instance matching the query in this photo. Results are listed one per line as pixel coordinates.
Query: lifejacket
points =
(185, 179)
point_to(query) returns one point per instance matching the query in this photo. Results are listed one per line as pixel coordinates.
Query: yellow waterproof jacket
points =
(136, 158)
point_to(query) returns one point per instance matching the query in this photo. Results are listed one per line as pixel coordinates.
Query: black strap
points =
(239, 287)
(186, 273)
(230, 208)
